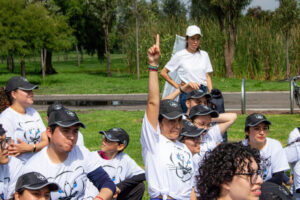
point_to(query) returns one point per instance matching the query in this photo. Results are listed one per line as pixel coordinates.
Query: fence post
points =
(243, 91)
(292, 95)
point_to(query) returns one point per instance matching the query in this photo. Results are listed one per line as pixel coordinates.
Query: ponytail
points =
(5, 100)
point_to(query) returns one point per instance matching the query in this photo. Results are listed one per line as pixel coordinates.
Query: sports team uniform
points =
(273, 158)
(293, 154)
(169, 165)
(71, 175)
(27, 127)
(191, 67)
(9, 174)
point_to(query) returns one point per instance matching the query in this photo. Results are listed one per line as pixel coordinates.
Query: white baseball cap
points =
(193, 30)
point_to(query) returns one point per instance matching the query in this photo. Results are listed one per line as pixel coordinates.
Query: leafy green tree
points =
(286, 17)
(173, 9)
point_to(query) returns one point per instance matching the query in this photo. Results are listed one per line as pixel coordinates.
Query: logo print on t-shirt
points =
(181, 163)
(265, 164)
(113, 172)
(3, 182)
(31, 132)
(72, 184)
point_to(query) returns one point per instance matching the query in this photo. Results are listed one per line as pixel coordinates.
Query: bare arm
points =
(185, 88)
(164, 73)
(105, 194)
(209, 83)
(225, 120)
(193, 194)
(152, 109)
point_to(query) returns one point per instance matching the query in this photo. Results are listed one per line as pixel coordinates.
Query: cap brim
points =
(110, 139)
(207, 96)
(195, 133)
(263, 120)
(28, 87)
(212, 113)
(66, 124)
(172, 115)
(52, 187)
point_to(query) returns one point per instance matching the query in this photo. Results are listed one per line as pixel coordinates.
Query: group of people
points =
(182, 145)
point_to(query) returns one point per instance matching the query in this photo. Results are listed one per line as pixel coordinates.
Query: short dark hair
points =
(220, 166)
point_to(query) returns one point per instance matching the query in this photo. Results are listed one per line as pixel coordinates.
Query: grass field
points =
(131, 121)
(90, 78)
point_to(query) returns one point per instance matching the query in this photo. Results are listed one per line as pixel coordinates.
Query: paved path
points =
(270, 102)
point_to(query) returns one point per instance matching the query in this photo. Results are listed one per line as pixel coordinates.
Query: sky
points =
(264, 4)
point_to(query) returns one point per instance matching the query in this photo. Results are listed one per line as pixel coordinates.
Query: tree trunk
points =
(49, 67)
(23, 70)
(81, 53)
(107, 51)
(287, 55)
(34, 59)
(58, 57)
(77, 55)
(65, 57)
(137, 42)
(10, 63)
(2, 59)
(43, 61)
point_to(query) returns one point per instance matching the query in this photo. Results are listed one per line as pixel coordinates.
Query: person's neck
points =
(110, 155)
(18, 108)
(55, 156)
(258, 146)
(191, 50)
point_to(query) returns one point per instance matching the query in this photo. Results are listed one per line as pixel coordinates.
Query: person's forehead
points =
(203, 118)
(76, 126)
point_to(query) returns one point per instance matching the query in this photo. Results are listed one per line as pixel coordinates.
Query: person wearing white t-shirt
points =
(292, 152)
(67, 164)
(123, 170)
(273, 162)
(22, 123)
(202, 117)
(168, 162)
(58, 106)
(191, 64)
(10, 168)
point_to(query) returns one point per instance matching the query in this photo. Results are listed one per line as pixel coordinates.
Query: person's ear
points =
(17, 196)
(187, 103)
(120, 147)
(225, 186)
(49, 132)
(13, 94)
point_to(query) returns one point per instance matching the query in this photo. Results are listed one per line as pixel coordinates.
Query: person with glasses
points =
(168, 163)
(231, 172)
(191, 64)
(22, 123)
(273, 162)
(202, 117)
(121, 168)
(10, 168)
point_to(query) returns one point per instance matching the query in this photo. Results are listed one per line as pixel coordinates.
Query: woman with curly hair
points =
(22, 123)
(230, 171)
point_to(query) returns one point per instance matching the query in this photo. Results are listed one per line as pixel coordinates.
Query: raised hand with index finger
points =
(154, 53)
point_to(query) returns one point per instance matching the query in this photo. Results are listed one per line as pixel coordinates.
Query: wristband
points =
(34, 148)
(98, 197)
(153, 68)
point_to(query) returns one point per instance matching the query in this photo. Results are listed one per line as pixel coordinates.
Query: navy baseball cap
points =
(64, 118)
(116, 135)
(202, 110)
(170, 109)
(255, 119)
(197, 94)
(19, 82)
(34, 181)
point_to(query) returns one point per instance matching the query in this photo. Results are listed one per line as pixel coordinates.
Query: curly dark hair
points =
(4, 100)
(220, 166)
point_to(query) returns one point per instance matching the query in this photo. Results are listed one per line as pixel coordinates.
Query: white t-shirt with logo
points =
(27, 127)
(272, 158)
(209, 142)
(191, 67)
(120, 168)
(70, 175)
(9, 174)
(169, 165)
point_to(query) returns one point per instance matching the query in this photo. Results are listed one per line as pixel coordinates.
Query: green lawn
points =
(90, 78)
(131, 121)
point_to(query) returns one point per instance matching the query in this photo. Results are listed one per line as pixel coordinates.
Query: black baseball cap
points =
(255, 119)
(64, 117)
(53, 107)
(116, 135)
(2, 131)
(34, 181)
(272, 191)
(202, 110)
(19, 82)
(190, 130)
(170, 109)
(197, 94)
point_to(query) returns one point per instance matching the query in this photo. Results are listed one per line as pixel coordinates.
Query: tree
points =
(286, 17)
(228, 13)
(173, 9)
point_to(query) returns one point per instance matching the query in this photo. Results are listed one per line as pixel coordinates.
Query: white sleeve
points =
(279, 161)
(215, 133)
(173, 63)
(208, 67)
(292, 151)
(149, 137)
(16, 170)
(41, 123)
(8, 126)
(294, 135)
(132, 168)
(91, 159)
